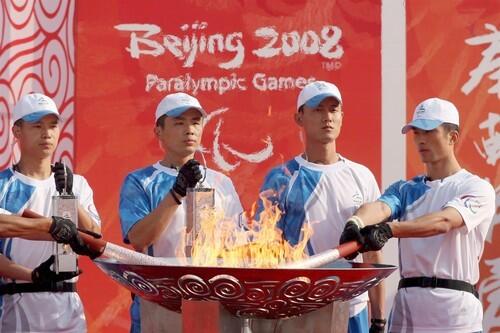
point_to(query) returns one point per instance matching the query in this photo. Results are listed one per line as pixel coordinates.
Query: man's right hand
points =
(351, 232)
(189, 175)
(43, 274)
(375, 236)
(62, 230)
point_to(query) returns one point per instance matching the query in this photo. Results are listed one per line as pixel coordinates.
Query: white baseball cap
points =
(33, 107)
(313, 93)
(174, 105)
(431, 113)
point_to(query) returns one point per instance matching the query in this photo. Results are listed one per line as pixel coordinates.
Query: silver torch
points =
(65, 205)
(197, 199)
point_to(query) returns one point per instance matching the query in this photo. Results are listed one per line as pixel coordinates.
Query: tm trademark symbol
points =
(331, 65)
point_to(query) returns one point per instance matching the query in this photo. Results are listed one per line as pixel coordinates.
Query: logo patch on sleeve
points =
(472, 204)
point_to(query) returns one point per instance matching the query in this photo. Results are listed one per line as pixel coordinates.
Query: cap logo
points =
(185, 99)
(420, 110)
(41, 100)
(320, 86)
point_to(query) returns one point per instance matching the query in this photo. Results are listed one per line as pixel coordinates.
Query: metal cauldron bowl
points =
(248, 292)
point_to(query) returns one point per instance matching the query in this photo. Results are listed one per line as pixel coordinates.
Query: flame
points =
(223, 242)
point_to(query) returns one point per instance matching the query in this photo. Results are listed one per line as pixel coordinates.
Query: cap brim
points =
(36, 116)
(177, 112)
(314, 101)
(423, 124)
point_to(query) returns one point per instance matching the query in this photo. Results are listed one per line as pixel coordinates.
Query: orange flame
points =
(222, 242)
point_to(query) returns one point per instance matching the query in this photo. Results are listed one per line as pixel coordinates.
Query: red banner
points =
(245, 61)
(453, 52)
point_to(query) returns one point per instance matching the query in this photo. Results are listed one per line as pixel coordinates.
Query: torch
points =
(197, 199)
(325, 257)
(127, 256)
(110, 250)
(65, 205)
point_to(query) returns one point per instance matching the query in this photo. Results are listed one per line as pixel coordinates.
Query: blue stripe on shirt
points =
(295, 205)
(291, 201)
(402, 194)
(140, 195)
(16, 195)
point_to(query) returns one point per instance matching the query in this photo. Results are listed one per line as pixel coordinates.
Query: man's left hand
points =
(375, 236)
(189, 175)
(80, 247)
(63, 177)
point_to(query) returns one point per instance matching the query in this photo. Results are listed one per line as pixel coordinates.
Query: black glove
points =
(62, 230)
(63, 177)
(189, 175)
(375, 236)
(80, 247)
(378, 326)
(43, 273)
(65, 231)
(351, 232)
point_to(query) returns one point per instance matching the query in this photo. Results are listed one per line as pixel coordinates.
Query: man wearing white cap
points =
(323, 188)
(152, 204)
(441, 218)
(28, 303)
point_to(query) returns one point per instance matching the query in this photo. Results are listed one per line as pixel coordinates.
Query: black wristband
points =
(172, 192)
(379, 322)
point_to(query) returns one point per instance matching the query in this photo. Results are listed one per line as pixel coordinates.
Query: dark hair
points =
(18, 122)
(160, 122)
(448, 127)
(301, 109)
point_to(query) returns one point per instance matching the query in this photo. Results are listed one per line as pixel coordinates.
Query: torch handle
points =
(326, 257)
(94, 243)
(348, 248)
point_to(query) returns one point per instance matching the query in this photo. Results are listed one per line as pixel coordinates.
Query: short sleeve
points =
(475, 202)
(5, 212)
(372, 190)
(86, 200)
(134, 205)
(273, 189)
(392, 197)
(232, 205)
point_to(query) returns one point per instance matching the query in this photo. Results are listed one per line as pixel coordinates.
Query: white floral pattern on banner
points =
(37, 55)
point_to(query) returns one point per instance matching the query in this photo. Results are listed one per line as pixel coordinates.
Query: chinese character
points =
(496, 217)
(489, 287)
(491, 146)
(490, 62)
(489, 294)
